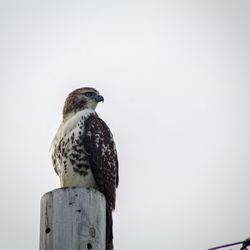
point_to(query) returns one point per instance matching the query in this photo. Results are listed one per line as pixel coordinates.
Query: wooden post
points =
(73, 219)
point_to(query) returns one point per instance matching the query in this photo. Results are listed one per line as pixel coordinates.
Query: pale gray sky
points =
(176, 80)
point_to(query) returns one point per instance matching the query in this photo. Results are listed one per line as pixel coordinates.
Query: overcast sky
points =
(175, 76)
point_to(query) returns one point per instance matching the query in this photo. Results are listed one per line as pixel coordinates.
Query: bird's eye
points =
(88, 94)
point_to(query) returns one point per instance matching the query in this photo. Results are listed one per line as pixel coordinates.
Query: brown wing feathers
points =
(99, 144)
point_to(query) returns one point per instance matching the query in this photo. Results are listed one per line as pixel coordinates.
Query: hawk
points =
(84, 153)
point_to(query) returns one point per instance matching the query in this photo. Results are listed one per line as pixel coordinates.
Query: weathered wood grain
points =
(72, 219)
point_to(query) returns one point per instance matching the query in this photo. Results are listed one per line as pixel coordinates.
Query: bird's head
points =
(80, 99)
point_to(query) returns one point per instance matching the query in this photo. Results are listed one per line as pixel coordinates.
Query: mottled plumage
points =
(83, 150)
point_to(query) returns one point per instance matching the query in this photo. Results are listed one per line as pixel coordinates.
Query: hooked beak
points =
(98, 98)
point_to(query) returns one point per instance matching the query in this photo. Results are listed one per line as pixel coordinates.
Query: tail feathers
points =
(110, 246)
(109, 228)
